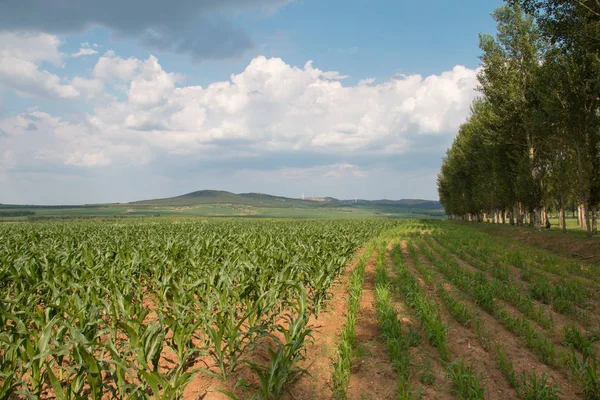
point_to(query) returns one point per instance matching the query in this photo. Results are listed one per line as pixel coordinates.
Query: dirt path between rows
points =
(560, 320)
(464, 344)
(320, 353)
(372, 375)
(428, 375)
(524, 360)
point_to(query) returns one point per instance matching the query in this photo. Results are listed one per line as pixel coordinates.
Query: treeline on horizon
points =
(532, 142)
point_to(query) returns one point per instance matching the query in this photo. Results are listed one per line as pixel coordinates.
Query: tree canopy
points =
(532, 141)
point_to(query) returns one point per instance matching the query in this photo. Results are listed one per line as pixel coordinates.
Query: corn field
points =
(135, 309)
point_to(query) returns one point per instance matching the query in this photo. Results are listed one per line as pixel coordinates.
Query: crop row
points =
(484, 293)
(91, 308)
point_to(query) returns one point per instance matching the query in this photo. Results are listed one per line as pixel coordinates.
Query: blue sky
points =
(118, 101)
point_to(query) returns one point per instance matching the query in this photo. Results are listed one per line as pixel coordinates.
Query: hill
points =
(266, 200)
(220, 203)
(223, 197)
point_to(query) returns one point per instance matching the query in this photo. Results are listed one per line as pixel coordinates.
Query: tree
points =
(532, 141)
(507, 80)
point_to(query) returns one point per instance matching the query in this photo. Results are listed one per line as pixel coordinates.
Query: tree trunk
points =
(585, 218)
(532, 218)
(543, 218)
(503, 217)
(512, 215)
(538, 218)
(561, 219)
(594, 220)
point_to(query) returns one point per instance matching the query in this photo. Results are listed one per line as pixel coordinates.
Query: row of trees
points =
(532, 141)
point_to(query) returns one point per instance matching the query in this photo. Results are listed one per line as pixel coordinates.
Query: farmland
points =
(217, 203)
(370, 308)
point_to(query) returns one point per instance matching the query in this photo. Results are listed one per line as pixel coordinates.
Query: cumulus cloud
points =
(81, 159)
(84, 51)
(300, 123)
(31, 47)
(198, 28)
(270, 108)
(22, 56)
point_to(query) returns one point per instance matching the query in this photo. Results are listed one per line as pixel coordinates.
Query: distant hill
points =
(220, 203)
(266, 200)
(223, 197)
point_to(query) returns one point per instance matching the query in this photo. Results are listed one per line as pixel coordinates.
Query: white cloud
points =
(7, 160)
(32, 47)
(270, 112)
(84, 51)
(110, 67)
(88, 88)
(367, 81)
(25, 78)
(81, 159)
(22, 57)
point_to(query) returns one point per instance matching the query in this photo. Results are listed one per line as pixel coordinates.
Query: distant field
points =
(225, 210)
(218, 203)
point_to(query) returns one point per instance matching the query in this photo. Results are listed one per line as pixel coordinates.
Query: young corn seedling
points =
(415, 296)
(284, 358)
(465, 381)
(391, 329)
(534, 388)
(341, 373)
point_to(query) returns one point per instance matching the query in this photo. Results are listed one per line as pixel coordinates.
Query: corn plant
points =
(286, 354)
(465, 381)
(397, 341)
(435, 330)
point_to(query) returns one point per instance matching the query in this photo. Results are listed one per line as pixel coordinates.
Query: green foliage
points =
(465, 381)
(125, 308)
(426, 311)
(397, 339)
(341, 373)
(528, 144)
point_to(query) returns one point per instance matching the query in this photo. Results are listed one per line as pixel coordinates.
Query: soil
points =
(372, 375)
(560, 320)
(424, 358)
(523, 359)
(464, 344)
(320, 353)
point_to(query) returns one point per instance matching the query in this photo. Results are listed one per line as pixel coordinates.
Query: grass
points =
(465, 381)
(426, 311)
(346, 347)
(397, 339)
(528, 385)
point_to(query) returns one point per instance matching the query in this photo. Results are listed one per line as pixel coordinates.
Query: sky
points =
(118, 101)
